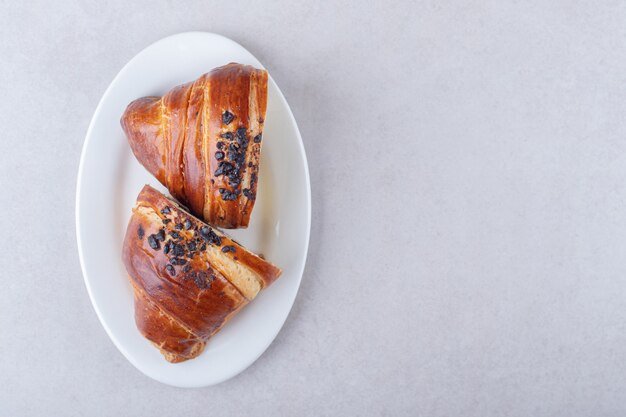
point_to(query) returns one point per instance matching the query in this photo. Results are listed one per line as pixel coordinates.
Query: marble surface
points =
(468, 169)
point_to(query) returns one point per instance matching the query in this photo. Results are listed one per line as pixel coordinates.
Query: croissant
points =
(188, 278)
(202, 140)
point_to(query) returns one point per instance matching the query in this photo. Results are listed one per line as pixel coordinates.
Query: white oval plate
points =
(109, 179)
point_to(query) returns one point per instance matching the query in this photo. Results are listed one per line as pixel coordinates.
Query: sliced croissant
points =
(202, 140)
(188, 278)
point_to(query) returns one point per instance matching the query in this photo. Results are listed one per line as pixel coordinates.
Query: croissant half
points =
(188, 278)
(202, 140)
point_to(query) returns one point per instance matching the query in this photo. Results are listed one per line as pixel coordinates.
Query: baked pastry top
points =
(202, 140)
(188, 278)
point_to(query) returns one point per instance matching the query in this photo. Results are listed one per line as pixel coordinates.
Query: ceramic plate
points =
(110, 178)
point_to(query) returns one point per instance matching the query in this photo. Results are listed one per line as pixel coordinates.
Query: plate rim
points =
(79, 181)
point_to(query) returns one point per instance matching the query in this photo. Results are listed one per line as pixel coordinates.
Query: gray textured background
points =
(467, 164)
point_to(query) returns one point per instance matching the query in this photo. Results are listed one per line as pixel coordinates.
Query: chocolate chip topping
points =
(160, 236)
(227, 136)
(232, 167)
(229, 248)
(241, 134)
(227, 117)
(140, 232)
(257, 138)
(178, 261)
(249, 194)
(202, 279)
(178, 250)
(210, 236)
(233, 149)
(230, 196)
(181, 244)
(153, 242)
(223, 168)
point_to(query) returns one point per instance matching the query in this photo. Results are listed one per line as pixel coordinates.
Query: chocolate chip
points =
(186, 268)
(220, 145)
(140, 232)
(227, 136)
(178, 250)
(207, 277)
(249, 194)
(178, 261)
(210, 236)
(166, 210)
(170, 269)
(166, 221)
(203, 247)
(201, 279)
(227, 117)
(224, 168)
(257, 138)
(201, 283)
(219, 155)
(191, 246)
(250, 164)
(153, 242)
(168, 247)
(160, 236)
(242, 141)
(241, 134)
(229, 248)
(188, 224)
(230, 195)
(175, 235)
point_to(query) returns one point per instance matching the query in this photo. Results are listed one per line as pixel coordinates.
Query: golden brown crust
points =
(175, 342)
(202, 140)
(186, 275)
